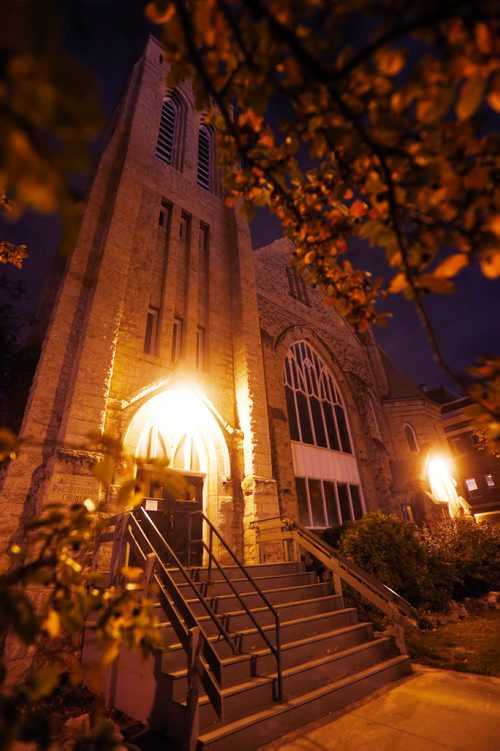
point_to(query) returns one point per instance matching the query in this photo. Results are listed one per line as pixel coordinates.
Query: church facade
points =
(169, 330)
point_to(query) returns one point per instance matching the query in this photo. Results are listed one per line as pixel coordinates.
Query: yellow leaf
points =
(470, 96)
(104, 470)
(451, 266)
(111, 653)
(52, 624)
(132, 572)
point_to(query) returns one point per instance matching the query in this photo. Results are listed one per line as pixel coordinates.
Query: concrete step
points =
(199, 573)
(261, 661)
(296, 613)
(259, 692)
(263, 726)
(242, 585)
(229, 603)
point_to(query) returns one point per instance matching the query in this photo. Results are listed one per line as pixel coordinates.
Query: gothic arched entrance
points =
(178, 428)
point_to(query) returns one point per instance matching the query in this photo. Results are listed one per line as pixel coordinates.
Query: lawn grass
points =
(470, 646)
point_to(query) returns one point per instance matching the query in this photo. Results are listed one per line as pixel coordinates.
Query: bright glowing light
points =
(443, 486)
(179, 416)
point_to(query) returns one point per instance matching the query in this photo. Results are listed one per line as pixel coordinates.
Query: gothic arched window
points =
(204, 176)
(411, 437)
(170, 131)
(316, 413)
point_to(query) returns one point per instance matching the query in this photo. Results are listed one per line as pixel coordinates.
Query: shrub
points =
(468, 551)
(386, 546)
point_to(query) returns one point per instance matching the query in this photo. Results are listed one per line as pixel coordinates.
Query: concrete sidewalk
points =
(430, 710)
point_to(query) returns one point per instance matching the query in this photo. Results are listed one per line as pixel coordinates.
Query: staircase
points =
(327, 659)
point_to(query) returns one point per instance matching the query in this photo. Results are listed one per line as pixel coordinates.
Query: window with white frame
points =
(471, 483)
(326, 472)
(316, 414)
(325, 503)
(411, 437)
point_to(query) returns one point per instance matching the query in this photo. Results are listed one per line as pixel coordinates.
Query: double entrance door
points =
(171, 514)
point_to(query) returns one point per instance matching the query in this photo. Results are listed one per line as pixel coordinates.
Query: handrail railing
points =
(386, 599)
(274, 648)
(129, 531)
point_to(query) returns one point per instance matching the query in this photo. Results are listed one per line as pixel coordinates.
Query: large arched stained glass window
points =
(316, 413)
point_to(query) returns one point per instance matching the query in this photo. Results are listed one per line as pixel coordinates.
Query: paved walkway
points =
(430, 710)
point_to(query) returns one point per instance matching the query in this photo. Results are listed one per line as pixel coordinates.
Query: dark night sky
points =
(107, 35)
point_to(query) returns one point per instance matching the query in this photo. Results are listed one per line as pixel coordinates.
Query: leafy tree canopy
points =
(387, 133)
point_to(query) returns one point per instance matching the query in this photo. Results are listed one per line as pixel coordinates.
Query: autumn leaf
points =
(470, 96)
(451, 266)
(358, 209)
(493, 97)
(399, 283)
(390, 62)
(489, 261)
(52, 624)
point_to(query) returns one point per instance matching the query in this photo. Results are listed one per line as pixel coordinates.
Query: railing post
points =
(149, 567)
(399, 637)
(210, 551)
(193, 692)
(337, 584)
(118, 553)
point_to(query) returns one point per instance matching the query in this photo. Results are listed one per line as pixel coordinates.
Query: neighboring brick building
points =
(476, 470)
(160, 332)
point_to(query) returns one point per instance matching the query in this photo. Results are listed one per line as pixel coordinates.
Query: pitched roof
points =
(400, 385)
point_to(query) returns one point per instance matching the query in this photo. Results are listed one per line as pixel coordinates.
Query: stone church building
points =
(171, 331)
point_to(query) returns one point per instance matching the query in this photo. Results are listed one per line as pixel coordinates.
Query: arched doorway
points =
(178, 428)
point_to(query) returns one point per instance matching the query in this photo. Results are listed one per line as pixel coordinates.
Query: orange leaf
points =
(451, 266)
(470, 96)
(398, 283)
(490, 262)
(358, 209)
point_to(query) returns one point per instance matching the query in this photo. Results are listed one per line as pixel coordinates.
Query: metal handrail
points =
(275, 649)
(383, 597)
(199, 595)
(179, 613)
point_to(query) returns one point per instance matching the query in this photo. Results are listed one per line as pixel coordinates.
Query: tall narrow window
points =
(184, 227)
(151, 335)
(167, 133)
(324, 503)
(200, 348)
(205, 165)
(177, 340)
(411, 437)
(169, 145)
(297, 286)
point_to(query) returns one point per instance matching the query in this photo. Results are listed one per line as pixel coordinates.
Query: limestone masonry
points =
(169, 330)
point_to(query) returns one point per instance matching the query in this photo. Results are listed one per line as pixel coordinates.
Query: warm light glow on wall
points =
(173, 413)
(440, 480)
